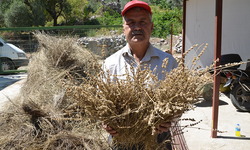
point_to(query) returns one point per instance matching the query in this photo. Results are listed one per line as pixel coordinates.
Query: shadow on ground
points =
(235, 138)
(204, 103)
(227, 94)
(6, 80)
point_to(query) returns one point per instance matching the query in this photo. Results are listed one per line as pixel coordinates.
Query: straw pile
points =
(67, 96)
(42, 116)
(138, 104)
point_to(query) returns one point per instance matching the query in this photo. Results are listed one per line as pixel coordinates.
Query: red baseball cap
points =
(136, 3)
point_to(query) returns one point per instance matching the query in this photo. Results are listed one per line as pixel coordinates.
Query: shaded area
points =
(243, 137)
(243, 111)
(227, 94)
(6, 80)
(204, 103)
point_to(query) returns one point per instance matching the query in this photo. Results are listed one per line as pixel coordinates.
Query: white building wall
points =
(200, 29)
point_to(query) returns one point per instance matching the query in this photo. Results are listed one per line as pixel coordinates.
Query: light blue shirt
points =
(154, 58)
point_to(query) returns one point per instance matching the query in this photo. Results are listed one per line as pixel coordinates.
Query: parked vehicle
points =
(11, 56)
(239, 82)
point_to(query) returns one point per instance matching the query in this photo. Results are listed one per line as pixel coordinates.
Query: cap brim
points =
(133, 4)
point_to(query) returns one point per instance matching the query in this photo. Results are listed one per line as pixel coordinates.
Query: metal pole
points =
(1, 65)
(216, 87)
(171, 39)
(184, 27)
(30, 43)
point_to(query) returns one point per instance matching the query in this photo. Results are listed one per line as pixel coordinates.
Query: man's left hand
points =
(163, 127)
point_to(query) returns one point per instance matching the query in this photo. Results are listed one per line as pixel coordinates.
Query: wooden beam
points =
(216, 86)
(184, 27)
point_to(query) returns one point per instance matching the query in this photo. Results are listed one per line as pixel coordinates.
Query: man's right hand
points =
(110, 130)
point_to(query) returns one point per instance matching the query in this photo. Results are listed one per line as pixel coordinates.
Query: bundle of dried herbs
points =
(138, 103)
(42, 116)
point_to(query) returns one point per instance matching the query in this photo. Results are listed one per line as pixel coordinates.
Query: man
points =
(137, 27)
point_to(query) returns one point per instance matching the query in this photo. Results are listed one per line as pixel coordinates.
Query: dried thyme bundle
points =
(137, 104)
(42, 116)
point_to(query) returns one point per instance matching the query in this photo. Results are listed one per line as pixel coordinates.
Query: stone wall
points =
(116, 6)
(109, 44)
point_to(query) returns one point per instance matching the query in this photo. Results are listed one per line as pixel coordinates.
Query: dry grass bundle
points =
(56, 55)
(36, 132)
(139, 103)
(24, 131)
(43, 117)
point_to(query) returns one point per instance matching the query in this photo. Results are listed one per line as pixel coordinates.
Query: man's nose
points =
(137, 26)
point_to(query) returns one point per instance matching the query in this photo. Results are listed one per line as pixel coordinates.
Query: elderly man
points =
(137, 27)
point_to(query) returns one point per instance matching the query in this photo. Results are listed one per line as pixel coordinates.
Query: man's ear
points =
(123, 28)
(152, 27)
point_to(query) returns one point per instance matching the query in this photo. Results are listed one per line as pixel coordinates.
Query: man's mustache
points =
(137, 32)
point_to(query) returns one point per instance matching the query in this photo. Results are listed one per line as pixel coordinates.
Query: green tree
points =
(163, 20)
(20, 13)
(1, 19)
(17, 15)
(108, 19)
(81, 12)
(4, 6)
(93, 5)
(55, 8)
(175, 3)
(168, 3)
(36, 11)
(73, 13)
(163, 4)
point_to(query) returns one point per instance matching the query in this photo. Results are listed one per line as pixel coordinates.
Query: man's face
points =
(137, 26)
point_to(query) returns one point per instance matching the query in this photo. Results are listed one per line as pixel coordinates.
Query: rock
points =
(178, 45)
(115, 6)
(158, 44)
(109, 44)
(112, 43)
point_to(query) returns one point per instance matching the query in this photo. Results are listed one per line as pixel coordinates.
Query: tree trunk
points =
(55, 21)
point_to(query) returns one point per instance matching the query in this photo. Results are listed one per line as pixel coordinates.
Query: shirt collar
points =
(126, 51)
(151, 52)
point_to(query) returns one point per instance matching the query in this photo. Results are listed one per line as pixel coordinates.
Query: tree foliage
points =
(36, 12)
(76, 11)
(1, 19)
(55, 8)
(4, 6)
(114, 19)
(163, 21)
(175, 3)
(17, 15)
(25, 13)
(171, 4)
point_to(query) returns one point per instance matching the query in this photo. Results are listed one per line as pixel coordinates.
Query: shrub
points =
(14, 17)
(108, 19)
(163, 20)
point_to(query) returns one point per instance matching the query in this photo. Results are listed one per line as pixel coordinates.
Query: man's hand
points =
(110, 130)
(163, 127)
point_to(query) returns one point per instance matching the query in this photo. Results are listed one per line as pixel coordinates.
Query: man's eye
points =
(131, 22)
